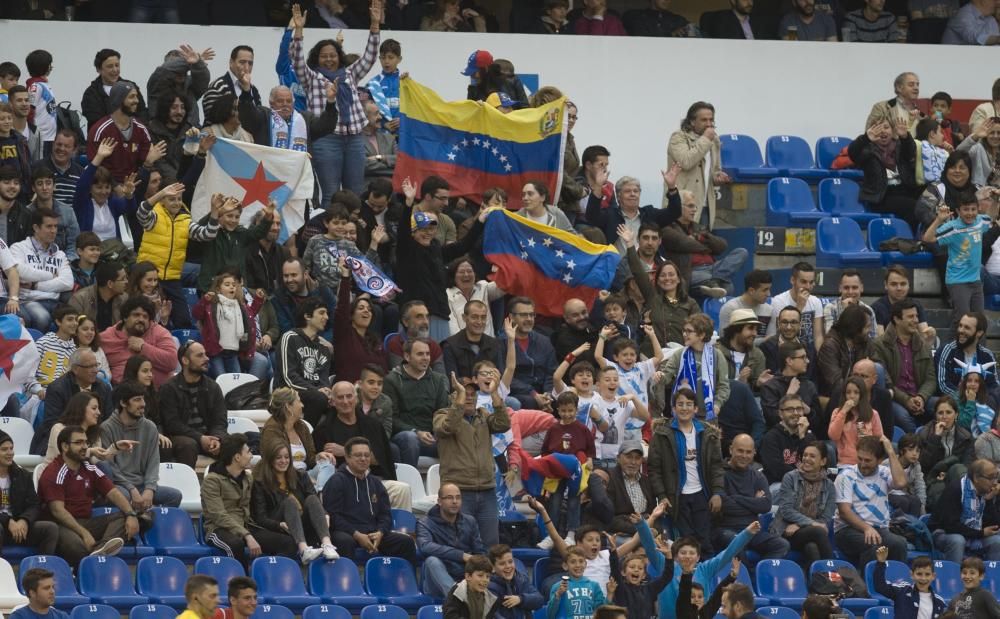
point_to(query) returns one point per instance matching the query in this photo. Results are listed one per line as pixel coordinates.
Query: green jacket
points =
(667, 467)
(225, 501)
(415, 401)
(886, 352)
(228, 249)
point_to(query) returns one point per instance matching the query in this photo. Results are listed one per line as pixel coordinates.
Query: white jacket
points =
(47, 268)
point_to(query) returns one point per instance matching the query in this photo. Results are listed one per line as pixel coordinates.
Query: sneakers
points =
(712, 288)
(330, 552)
(546, 544)
(308, 555)
(110, 548)
(570, 538)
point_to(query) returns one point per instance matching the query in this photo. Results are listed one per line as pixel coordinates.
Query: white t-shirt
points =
(692, 483)
(636, 379)
(738, 358)
(298, 454)
(599, 569)
(812, 311)
(6, 262)
(584, 407)
(926, 608)
(104, 223)
(617, 415)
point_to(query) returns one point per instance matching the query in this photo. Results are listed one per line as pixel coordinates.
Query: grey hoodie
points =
(139, 468)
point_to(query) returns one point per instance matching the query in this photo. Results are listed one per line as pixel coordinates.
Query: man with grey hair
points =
(627, 212)
(82, 376)
(700, 255)
(415, 320)
(902, 107)
(281, 125)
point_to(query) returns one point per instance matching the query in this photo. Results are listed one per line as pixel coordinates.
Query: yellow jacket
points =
(166, 239)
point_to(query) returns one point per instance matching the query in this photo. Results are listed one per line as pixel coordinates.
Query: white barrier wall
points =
(631, 92)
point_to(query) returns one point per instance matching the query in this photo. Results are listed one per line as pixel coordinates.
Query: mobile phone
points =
(565, 579)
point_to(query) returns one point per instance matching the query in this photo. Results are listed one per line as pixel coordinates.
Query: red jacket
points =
(611, 25)
(350, 351)
(129, 154)
(160, 348)
(204, 313)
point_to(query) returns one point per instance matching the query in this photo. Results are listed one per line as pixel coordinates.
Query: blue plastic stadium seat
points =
(338, 582)
(134, 549)
(742, 161)
(886, 228)
(827, 149)
(992, 581)
(782, 582)
(855, 605)
(404, 521)
(15, 553)
(67, 595)
(161, 579)
(222, 569)
(272, 611)
(107, 580)
(94, 611)
(992, 302)
(35, 333)
(191, 296)
(173, 535)
(152, 611)
(325, 611)
(383, 611)
(880, 612)
(539, 572)
(279, 581)
(529, 555)
(712, 308)
(947, 579)
(838, 197)
(430, 612)
(184, 335)
(777, 612)
(392, 581)
(792, 156)
(744, 578)
(840, 244)
(790, 203)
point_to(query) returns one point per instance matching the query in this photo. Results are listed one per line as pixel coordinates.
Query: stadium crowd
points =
(688, 432)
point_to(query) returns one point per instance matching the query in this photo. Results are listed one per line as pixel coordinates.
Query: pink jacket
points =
(846, 435)
(159, 347)
(525, 423)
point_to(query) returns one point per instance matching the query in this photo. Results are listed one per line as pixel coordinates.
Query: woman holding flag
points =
(356, 346)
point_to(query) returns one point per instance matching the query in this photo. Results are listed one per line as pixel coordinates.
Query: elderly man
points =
(973, 529)
(416, 321)
(82, 376)
(575, 330)
(281, 125)
(696, 149)
(471, 345)
(629, 490)
(746, 496)
(447, 537)
(902, 107)
(974, 24)
(136, 333)
(627, 212)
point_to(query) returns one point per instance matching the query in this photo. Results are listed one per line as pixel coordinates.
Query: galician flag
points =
(253, 174)
(18, 356)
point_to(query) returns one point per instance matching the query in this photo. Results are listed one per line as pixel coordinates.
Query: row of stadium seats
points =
(785, 155)
(264, 611)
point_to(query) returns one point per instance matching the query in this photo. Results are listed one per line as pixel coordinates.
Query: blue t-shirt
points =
(25, 612)
(965, 248)
(582, 598)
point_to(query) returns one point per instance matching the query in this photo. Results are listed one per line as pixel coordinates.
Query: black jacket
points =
(772, 359)
(263, 268)
(459, 356)
(95, 106)
(387, 250)
(773, 390)
(369, 428)
(24, 503)
(932, 449)
(368, 511)
(950, 518)
(724, 25)
(779, 452)
(565, 339)
(623, 503)
(653, 23)
(876, 181)
(175, 408)
(265, 504)
(256, 119)
(56, 396)
(608, 219)
(904, 596)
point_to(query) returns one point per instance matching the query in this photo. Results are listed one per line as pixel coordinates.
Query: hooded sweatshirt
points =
(139, 468)
(302, 363)
(357, 505)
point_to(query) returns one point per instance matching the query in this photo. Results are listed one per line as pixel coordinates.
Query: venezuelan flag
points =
(544, 263)
(546, 472)
(475, 147)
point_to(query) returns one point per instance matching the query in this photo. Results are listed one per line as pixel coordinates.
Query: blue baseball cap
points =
(420, 220)
(479, 59)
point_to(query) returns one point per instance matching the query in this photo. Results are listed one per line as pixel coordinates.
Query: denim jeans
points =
(572, 508)
(163, 496)
(231, 363)
(482, 505)
(991, 283)
(411, 447)
(722, 269)
(340, 162)
(38, 314)
(180, 313)
(154, 12)
(954, 547)
(437, 581)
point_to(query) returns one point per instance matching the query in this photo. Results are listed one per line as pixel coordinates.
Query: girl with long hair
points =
(853, 419)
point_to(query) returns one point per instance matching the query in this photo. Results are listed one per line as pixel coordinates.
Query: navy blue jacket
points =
(448, 542)
(905, 598)
(520, 586)
(534, 370)
(357, 505)
(608, 219)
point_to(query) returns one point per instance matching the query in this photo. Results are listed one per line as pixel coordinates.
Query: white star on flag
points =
(524, 255)
(508, 167)
(475, 141)
(547, 242)
(567, 277)
(465, 142)
(486, 144)
(531, 242)
(503, 158)
(451, 156)
(455, 147)
(570, 265)
(495, 151)
(560, 253)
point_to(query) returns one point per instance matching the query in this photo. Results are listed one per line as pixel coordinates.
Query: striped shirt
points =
(314, 85)
(882, 30)
(868, 496)
(54, 356)
(65, 181)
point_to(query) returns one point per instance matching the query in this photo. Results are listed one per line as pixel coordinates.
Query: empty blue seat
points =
(790, 203)
(713, 307)
(338, 582)
(792, 156)
(840, 244)
(782, 582)
(855, 605)
(222, 569)
(161, 579)
(134, 549)
(886, 228)
(184, 335)
(539, 572)
(392, 581)
(107, 580)
(947, 579)
(325, 611)
(430, 612)
(880, 612)
(992, 580)
(272, 611)
(744, 578)
(838, 197)
(94, 611)
(827, 149)
(152, 611)
(742, 161)
(529, 555)
(404, 521)
(383, 611)
(279, 581)
(172, 534)
(777, 612)
(191, 296)
(67, 595)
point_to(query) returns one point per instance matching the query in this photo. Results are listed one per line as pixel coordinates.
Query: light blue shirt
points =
(970, 27)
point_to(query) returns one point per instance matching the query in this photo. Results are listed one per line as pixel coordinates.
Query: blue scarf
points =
(345, 94)
(973, 505)
(688, 372)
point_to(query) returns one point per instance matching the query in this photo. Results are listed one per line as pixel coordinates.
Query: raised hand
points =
(379, 235)
(670, 176)
(298, 18)
(902, 129)
(106, 148)
(187, 52)
(409, 190)
(984, 128)
(735, 570)
(218, 200)
(206, 143)
(207, 55)
(626, 235)
(509, 330)
(582, 348)
(156, 152)
(881, 554)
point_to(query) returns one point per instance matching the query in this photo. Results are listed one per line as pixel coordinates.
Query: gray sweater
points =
(139, 468)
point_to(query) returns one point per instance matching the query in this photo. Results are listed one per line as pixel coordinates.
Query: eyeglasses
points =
(572, 116)
(89, 366)
(688, 330)
(797, 409)
(802, 356)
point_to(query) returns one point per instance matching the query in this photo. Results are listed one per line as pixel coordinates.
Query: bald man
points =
(575, 330)
(973, 529)
(746, 496)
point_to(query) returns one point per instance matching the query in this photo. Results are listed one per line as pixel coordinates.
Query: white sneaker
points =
(546, 544)
(110, 548)
(714, 292)
(570, 538)
(330, 552)
(309, 555)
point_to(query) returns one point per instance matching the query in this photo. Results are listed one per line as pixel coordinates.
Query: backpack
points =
(249, 396)
(843, 583)
(902, 245)
(68, 118)
(914, 530)
(113, 250)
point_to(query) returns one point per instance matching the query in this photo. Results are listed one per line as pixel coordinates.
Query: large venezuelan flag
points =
(544, 263)
(475, 147)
